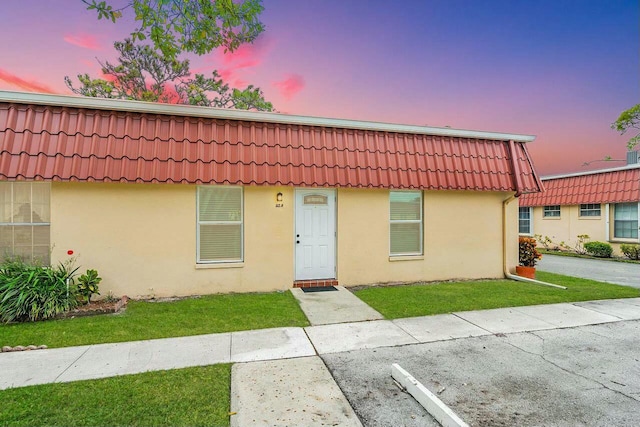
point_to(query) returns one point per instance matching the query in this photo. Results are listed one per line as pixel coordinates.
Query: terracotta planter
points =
(528, 272)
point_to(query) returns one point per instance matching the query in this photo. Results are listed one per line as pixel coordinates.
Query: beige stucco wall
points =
(142, 238)
(570, 224)
(462, 237)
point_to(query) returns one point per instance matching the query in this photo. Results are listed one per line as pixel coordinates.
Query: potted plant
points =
(528, 257)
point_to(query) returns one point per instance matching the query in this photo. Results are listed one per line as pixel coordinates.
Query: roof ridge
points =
(259, 116)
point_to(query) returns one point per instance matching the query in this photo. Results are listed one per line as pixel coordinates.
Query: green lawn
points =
(147, 320)
(182, 397)
(435, 298)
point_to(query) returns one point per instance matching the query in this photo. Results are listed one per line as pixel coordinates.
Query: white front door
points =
(315, 234)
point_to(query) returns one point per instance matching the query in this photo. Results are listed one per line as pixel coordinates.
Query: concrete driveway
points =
(589, 375)
(620, 273)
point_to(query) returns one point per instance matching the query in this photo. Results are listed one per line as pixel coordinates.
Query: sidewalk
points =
(67, 364)
(278, 378)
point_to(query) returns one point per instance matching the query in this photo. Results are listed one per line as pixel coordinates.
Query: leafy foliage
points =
(629, 119)
(580, 244)
(529, 255)
(33, 292)
(196, 26)
(88, 284)
(599, 249)
(143, 74)
(630, 251)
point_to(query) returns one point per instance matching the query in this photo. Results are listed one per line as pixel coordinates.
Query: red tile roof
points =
(607, 186)
(69, 143)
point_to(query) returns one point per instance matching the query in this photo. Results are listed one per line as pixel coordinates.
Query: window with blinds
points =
(220, 224)
(405, 223)
(590, 209)
(625, 221)
(25, 221)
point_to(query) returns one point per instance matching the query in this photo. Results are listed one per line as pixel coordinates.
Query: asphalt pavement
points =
(620, 273)
(583, 376)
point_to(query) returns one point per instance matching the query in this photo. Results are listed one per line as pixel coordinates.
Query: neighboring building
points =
(603, 204)
(180, 200)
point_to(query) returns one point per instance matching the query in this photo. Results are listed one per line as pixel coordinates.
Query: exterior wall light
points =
(279, 197)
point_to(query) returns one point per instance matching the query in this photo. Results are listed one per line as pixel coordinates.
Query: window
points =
(405, 223)
(220, 224)
(625, 221)
(590, 209)
(24, 221)
(524, 220)
(552, 211)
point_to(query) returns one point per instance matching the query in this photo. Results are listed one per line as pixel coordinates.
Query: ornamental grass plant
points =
(34, 292)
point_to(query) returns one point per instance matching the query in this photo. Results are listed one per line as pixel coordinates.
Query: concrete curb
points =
(438, 410)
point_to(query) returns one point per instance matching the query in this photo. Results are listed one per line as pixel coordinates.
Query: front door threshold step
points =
(315, 283)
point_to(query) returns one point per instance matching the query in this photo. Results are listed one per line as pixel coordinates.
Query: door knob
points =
(297, 241)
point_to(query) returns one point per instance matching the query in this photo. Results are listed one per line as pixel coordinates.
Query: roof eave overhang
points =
(593, 172)
(243, 115)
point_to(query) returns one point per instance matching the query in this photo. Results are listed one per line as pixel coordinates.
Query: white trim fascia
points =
(255, 116)
(594, 172)
(607, 229)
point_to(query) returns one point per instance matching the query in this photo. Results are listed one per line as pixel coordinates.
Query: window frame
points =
(200, 261)
(12, 223)
(637, 222)
(530, 211)
(549, 211)
(586, 208)
(413, 221)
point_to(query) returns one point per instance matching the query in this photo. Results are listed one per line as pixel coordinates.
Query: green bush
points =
(33, 292)
(88, 284)
(599, 249)
(528, 255)
(630, 251)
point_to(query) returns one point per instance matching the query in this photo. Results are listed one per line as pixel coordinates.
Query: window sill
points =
(598, 218)
(622, 240)
(554, 218)
(220, 265)
(406, 258)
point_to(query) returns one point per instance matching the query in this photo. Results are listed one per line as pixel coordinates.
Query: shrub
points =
(88, 284)
(630, 251)
(599, 249)
(581, 244)
(34, 292)
(529, 255)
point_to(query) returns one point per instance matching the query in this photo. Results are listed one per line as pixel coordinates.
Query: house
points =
(603, 204)
(180, 200)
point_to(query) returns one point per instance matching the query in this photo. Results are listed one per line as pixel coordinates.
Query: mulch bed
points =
(97, 307)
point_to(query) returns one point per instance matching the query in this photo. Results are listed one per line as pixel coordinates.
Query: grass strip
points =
(576, 255)
(395, 302)
(183, 397)
(144, 320)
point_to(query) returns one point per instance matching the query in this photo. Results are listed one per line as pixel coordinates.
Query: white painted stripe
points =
(438, 410)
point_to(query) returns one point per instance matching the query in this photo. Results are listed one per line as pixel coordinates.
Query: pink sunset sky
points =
(558, 69)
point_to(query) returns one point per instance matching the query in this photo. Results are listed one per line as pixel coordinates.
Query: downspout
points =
(505, 268)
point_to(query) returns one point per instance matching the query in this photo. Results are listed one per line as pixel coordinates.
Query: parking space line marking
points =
(438, 410)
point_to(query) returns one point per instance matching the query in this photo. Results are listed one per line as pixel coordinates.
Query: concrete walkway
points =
(316, 390)
(339, 306)
(620, 273)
